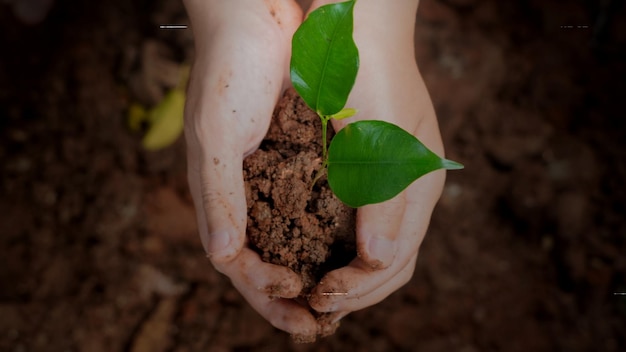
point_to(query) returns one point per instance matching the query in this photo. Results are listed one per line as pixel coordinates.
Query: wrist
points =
(383, 27)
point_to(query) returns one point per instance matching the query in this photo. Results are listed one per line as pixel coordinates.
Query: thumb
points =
(217, 186)
(377, 228)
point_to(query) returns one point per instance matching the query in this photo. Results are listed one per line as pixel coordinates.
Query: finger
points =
(357, 279)
(251, 275)
(329, 322)
(218, 194)
(382, 292)
(265, 286)
(352, 300)
(226, 115)
(377, 227)
(337, 316)
(288, 15)
(289, 316)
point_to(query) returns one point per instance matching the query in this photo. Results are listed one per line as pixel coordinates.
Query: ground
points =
(526, 248)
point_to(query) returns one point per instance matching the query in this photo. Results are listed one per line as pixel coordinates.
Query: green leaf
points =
(324, 58)
(372, 161)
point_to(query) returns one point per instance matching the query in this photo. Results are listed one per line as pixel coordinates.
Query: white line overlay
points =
(619, 293)
(173, 26)
(334, 293)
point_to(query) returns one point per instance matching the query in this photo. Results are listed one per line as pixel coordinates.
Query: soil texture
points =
(291, 221)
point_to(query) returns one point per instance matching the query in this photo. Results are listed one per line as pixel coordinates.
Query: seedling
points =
(367, 162)
(165, 120)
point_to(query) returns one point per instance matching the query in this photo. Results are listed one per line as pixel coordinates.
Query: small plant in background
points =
(367, 162)
(165, 120)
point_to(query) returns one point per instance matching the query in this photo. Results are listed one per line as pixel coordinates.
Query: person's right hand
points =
(388, 87)
(241, 64)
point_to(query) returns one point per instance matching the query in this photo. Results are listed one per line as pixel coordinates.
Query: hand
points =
(241, 64)
(388, 87)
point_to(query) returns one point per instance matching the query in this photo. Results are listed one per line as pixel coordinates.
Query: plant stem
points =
(324, 128)
(322, 169)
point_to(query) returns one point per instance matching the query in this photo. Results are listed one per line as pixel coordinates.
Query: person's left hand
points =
(241, 61)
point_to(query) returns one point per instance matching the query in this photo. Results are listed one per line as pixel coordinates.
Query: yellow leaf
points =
(166, 121)
(344, 113)
(136, 115)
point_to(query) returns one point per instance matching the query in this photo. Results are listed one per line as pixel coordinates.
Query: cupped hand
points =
(241, 63)
(388, 87)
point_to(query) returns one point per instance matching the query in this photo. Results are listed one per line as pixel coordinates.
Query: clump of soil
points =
(291, 223)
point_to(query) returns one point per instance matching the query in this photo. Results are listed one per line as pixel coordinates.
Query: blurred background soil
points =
(526, 250)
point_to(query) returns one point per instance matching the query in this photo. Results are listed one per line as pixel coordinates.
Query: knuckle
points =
(209, 194)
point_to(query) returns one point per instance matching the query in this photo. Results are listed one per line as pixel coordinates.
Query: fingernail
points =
(381, 250)
(219, 243)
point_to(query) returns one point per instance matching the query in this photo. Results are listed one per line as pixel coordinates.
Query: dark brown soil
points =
(292, 222)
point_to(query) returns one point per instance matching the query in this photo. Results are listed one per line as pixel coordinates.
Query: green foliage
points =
(368, 161)
(324, 58)
(372, 161)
